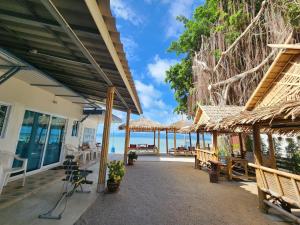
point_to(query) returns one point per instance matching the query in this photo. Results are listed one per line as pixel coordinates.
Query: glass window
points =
(75, 128)
(89, 135)
(4, 111)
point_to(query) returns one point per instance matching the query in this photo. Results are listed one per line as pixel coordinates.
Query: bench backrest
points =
(278, 183)
(204, 155)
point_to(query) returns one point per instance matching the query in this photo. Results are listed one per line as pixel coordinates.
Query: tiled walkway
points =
(14, 191)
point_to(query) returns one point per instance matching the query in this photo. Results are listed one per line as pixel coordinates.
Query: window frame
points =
(75, 128)
(6, 118)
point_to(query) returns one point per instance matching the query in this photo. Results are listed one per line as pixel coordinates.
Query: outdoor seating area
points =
(143, 148)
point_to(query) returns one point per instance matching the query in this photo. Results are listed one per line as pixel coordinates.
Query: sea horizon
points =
(117, 140)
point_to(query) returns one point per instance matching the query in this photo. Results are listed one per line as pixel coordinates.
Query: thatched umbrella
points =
(142, 124)
(182, 124)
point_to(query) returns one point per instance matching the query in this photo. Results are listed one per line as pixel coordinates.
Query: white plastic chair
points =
(6, 169)
(72, 150)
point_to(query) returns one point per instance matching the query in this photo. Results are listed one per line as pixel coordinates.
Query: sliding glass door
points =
(40, 139)
(55, 140)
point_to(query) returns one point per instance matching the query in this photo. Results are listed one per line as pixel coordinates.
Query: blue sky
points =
(147, 28)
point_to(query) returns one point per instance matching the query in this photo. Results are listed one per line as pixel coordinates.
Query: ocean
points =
(117, 140)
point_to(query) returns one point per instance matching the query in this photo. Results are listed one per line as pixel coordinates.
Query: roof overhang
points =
(75, 43)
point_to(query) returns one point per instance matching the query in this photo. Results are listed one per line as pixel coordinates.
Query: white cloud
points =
(176, 8)
(149, 96)
(124, 11)
(158, 68)
(130, 47)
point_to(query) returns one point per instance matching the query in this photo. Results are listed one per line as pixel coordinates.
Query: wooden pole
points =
(215, 143)
(257, 145)
(241, 146)
(258, 160)
(127, 136)
(158, 141)
(154, 137)
(174, 139)
(105, 139)
(190, 137)
(272, 152)
(198, 140)
(167, 144)
(203, 140)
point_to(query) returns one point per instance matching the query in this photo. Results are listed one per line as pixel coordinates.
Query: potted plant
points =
(131, 157)
(115, 175)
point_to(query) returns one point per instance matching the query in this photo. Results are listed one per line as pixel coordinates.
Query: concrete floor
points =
(174, 193)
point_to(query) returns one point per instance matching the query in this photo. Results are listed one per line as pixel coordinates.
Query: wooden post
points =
(105, 139)
(258, 160)
(190, 137)
(154, 137)
(127, 136)
(272, 152)
(198, 140)
(158, 141)
(203, 140)
(174, 139)
(257, 145)
(215, 143)
(167, 144)
(241, 146)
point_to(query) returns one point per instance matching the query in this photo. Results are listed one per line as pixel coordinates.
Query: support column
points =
(272, 152)
(258, 160)
(105, 139)
(174, 140)
(203, 140)
(154, 137)
(158, 141)
(167, 144)
(198, 140)
(190, 137)
(241, 146)
(215, 143)
(127, 136)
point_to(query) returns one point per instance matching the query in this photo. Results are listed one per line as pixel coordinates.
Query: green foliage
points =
(132, 155)
(180, 78)
(249, 143)
(292, 150)
(293, 12)
(116, 171)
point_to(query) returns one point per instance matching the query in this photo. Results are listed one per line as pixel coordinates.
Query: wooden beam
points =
(158, 141)
(241, 146)
(154, 137)
(190, 137)
(105, 139)
(127, 136)
(257, 145)
(174, 139)
(272, 152)
(203, 140)
(167, 144)
(198, 140)
(258, 160)
(215, 143)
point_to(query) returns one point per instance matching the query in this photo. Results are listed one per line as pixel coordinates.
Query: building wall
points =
(22, 96)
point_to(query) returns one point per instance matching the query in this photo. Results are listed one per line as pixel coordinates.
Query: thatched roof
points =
(180, 124)
(142, 124)
(281, 83)
(188, 129)
(275, 104)
(212, 115)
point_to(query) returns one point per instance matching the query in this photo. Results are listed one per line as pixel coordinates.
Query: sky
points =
(147, 28)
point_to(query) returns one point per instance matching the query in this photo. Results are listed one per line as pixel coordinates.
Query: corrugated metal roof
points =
(32, 33)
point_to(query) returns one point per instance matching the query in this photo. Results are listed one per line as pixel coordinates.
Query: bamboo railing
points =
(280, 185)
(203, 156)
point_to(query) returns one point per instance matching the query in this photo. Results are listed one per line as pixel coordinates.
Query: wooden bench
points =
(203, 157)
(281, 189)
